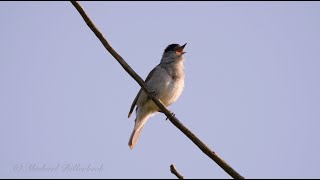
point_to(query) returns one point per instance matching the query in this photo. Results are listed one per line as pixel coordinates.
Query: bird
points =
(166, 82)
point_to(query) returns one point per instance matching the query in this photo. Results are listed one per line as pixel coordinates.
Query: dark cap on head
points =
(172, 47)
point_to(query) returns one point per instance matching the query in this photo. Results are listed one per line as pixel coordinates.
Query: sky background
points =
(252, 89)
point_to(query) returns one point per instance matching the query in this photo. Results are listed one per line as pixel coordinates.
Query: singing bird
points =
(165, 81)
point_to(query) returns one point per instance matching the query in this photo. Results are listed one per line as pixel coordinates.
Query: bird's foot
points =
(153, 93)
(172, 114)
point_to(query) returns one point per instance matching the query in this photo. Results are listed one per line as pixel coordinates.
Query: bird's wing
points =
(134, 103)
(137, 97)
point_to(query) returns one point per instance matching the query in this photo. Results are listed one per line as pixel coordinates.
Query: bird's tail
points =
(139, 124)
(134, 137)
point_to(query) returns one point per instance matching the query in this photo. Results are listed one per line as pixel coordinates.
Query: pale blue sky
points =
(251, 94)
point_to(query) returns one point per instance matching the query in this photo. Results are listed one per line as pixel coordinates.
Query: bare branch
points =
(205, 149)
(175, 172)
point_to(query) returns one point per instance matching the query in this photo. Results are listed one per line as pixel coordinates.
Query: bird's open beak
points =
(180, 49)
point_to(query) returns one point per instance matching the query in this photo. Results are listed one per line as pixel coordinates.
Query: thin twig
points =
(205, 149)
(175, 172)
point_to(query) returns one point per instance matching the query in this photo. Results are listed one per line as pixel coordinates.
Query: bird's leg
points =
(154, 93)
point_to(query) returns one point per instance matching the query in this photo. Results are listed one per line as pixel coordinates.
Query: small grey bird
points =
(166, 82)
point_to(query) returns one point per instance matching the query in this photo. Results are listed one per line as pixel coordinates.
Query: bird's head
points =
(173, 52)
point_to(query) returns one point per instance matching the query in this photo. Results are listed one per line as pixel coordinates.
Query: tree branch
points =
(205, 149)
(175, 172)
